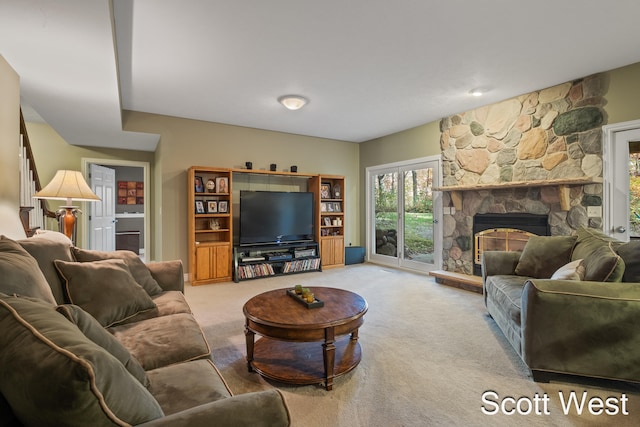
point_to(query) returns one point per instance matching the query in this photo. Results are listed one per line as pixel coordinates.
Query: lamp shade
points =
(67, 185)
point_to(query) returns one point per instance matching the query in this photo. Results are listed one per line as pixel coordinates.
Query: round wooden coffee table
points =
(288, 349)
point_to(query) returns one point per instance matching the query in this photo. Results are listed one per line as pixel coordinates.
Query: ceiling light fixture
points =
(293, 102)
(476, 92)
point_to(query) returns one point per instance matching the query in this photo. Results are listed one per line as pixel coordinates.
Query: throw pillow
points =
(96, 333)
(52, 375)
(104, 289)
(571, 271)
(590, 239)
(604, 265)
(630, 253)
(20, 274)
(45, 251)
(139, 271)
(543, 255)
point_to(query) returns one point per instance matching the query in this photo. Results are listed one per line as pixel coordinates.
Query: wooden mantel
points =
(562, 184)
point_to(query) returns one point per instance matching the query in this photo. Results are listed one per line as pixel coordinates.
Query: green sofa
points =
(92, 338)
(569, 304)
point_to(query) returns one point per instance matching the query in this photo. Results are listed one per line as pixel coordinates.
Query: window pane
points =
(418, 215)
(386, 213)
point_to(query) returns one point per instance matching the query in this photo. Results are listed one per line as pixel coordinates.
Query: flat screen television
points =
(275, 217)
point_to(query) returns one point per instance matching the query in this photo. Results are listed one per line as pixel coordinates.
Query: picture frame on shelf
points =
(325, 190)
(337, 207)
(198, 184)
(329, 207)
(223, 206)
(222, 185)
(323, 207)
(200, 207)
(327, 221)
(212, 206)
(336, 191)
(211, 185)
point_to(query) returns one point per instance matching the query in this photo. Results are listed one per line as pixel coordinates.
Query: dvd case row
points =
(301, 265)
(255, 270)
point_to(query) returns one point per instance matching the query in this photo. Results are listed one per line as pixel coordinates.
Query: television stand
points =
(257, 261)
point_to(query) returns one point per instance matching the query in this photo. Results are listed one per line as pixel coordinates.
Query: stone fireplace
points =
(537, 154)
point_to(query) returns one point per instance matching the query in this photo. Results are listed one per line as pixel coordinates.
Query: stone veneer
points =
(553, 133)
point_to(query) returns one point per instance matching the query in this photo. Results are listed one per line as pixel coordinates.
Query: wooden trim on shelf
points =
(268, 172)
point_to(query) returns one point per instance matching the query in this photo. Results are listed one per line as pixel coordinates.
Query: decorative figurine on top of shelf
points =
(214, 224)
(273, 167)
(211, 186)
(248, 165)
(294, 169)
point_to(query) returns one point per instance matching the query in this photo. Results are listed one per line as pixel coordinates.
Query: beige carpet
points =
(429, 353)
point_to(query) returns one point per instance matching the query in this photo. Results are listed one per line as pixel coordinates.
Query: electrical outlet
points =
(594, 211)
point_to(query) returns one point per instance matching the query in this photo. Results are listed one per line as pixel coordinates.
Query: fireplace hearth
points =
(505, 232)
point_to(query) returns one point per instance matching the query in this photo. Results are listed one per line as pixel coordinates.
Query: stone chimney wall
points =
(550, 134)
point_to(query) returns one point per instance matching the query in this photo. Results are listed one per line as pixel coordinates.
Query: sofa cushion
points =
(504, 303)
(52, 375)
(590, 239)
(163, 341)
(543, 255)
(45, 251)
(604, 265)
(96, 333)
(171, 302)
(139, 271)
(630, 254)
(20, 274)
(571, 271)
(167, 302)
(105, 289)
(186, 385)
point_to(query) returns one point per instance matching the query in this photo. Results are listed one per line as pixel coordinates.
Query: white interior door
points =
(102, 214)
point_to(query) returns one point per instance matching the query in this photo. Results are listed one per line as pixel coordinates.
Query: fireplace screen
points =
(500, 239)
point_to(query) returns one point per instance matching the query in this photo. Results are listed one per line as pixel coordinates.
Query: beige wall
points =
(624, 94)
(414, 143)
(185, 143)
(52, 153)
(622, 105)
(188, 142)
(9, 135)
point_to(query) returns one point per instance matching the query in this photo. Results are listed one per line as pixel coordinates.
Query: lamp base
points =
(67, 223)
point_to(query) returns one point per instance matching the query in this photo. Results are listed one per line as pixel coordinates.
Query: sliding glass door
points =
(403, 215)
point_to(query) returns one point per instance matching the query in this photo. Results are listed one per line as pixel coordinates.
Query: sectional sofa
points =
(92, 338)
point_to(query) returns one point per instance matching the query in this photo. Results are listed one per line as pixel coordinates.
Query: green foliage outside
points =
(418, 237)
(634, 194)
(634, 205)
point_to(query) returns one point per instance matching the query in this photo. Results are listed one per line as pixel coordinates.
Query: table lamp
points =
(67, 185)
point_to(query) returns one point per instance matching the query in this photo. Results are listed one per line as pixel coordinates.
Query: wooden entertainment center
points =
(214, 253)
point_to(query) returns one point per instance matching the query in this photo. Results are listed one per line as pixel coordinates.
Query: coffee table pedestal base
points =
(303, 362)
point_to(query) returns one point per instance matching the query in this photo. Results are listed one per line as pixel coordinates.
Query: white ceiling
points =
(369, 67)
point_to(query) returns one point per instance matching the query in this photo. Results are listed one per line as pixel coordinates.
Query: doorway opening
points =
(621, 186)
(128, 215)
